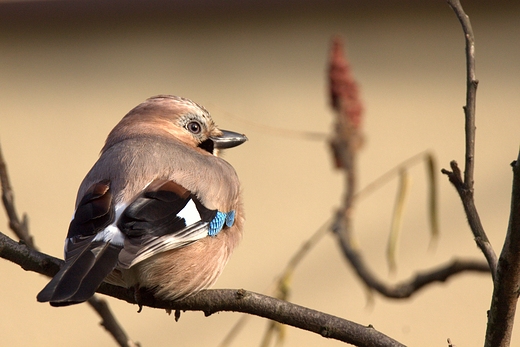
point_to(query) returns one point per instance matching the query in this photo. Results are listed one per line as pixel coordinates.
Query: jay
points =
(158, 210)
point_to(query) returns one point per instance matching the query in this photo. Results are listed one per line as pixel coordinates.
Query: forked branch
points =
(465, 186)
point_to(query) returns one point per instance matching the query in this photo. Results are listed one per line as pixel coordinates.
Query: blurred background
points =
(70, 70)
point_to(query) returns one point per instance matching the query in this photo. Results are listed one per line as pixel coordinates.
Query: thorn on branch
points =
(240, 294)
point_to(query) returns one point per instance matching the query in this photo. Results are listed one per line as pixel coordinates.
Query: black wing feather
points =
(88, 282)
(154, 213)
(87, 262)
(152, 223)
(94, 211)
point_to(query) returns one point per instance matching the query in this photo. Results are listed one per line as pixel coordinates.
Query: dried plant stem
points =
(345, 145)
(405, 289)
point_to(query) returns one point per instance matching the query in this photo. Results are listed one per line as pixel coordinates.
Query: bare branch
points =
(471, 92)
(465, 187)
(501, 315)
(110, 323)
(21, 230)
(506, 272)
(212, 301)
(474, 222)
(408, 287)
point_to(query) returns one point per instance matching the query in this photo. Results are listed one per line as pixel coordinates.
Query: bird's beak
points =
(228, 139)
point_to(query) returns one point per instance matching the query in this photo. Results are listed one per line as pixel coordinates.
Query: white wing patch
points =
(112, 234)
(190, 213)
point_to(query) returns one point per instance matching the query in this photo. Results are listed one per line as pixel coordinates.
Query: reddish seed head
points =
(344, 91)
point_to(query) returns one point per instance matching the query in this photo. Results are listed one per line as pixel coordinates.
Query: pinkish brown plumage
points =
(159, 209)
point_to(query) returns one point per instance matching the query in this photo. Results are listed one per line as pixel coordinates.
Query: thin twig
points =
(408, 287)
(501, 316)
(212, 301)
(391, 174)
(234, 331)
(270, 129)
(471, 92)
(110, 323)
(21, 230)
(472, 215)
(465, 187)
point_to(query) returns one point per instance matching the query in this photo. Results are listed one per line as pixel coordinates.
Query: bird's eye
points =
(194, 127)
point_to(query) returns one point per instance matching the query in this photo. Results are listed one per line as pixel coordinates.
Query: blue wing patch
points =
(217, 223)
(230, 218)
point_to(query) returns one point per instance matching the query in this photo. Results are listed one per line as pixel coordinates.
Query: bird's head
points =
(167, 115)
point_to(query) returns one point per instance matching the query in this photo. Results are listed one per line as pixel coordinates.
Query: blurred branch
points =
(110, 322)
(21, 230)
(465, 186)
(407, 288)
(282, 288)
(345, 145)
(212, 301)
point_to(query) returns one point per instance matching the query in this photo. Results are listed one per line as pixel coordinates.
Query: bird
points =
(159, 210)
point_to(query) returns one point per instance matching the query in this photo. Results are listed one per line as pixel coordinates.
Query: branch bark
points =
(465, 186)
(20, 228)
(506, 272)
(212, 301)
(501, 315)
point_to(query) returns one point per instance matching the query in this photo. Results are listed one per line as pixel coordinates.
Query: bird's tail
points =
(81, 275)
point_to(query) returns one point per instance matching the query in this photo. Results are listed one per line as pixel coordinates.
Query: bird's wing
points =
(164, 216)
(89, 258)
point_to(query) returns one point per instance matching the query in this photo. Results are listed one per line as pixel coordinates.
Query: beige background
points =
(70, 71)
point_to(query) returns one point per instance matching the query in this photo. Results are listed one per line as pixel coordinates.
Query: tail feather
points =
(103, 266)
(81, 275)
